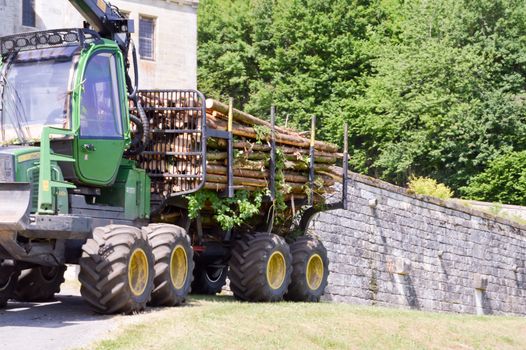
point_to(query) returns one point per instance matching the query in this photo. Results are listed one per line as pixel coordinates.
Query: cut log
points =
(244, 181)
(214, 186)
(222, 170)
(265, 156)
(242, 117)
(220, 144)
(249, 132)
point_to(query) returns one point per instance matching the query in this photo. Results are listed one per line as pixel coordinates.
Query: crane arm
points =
(111, 24)
(106, 20)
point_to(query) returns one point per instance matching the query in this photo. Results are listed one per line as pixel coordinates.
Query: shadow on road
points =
(66, 310)
(68, 322)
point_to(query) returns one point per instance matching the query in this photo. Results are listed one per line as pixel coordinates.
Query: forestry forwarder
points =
(71, 192)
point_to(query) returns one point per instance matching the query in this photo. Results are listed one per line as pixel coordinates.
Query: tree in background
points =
(226, 58)
(305, 56)
(504, 180)
(430, 88)
(448, 92)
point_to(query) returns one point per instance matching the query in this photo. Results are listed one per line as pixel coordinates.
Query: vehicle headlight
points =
(7, 168)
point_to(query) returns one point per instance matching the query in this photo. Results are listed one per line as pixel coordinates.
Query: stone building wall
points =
(393, 248)
(175, 62)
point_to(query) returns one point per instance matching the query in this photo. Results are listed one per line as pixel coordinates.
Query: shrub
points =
(503, 181)
(429, 187)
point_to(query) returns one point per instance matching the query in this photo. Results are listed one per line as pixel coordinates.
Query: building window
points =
(147, 38)
(28, 13)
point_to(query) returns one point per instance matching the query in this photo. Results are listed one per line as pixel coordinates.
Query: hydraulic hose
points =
(142, 135)
(145, 123)
(137, 146)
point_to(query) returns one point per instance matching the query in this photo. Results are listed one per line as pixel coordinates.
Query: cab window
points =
(100, 111)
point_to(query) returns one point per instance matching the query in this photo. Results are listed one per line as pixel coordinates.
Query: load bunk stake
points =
(311, 160)
(345, 165)
(273, 153)
(230, 170)
(272, 166)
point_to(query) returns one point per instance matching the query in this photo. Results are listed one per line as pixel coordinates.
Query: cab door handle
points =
(89, 147)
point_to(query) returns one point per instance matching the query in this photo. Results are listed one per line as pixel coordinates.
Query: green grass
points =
(222, 323)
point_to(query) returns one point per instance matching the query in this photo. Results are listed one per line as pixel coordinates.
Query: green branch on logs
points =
(233, 212)
(228, 212)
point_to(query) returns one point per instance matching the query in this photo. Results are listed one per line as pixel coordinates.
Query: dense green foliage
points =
(304, 56)
(503, 181)
(448, 93)
(429, 88)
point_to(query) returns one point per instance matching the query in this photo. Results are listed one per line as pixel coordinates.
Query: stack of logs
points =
(252, 153)
(173, 170)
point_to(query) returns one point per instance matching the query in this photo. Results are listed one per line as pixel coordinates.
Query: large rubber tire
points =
(116, 270)
(174, 264)
(209, 280)
(250, 277)
(7, 287)
(310, 270)
(39, 283)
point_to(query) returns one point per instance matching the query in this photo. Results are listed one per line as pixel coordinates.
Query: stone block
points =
(480, 282)
(402, 266)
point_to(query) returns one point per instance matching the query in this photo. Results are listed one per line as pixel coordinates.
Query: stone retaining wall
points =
(393, 248)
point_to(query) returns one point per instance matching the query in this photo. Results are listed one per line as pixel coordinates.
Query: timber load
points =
(301, 165)
(253, 145)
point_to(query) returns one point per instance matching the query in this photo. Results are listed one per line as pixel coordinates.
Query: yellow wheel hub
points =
(315, 271)
(276, 270)
(138, 272)
(178, 267)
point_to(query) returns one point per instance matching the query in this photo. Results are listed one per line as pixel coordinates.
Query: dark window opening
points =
(28, 13)
(147, 38)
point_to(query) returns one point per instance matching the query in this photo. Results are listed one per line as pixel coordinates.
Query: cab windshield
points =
(34, 87)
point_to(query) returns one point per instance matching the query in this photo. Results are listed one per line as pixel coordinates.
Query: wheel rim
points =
(178, 267)
(276, 270)
(315, 271)
(138, 272)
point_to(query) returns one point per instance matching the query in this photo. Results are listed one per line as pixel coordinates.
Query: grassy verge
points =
(222, 323)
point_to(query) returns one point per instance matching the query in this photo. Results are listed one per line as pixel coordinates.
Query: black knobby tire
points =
(173, 276)
(7, 287)
(248, 275)
(39, 283)
(308, 253)
(209, 280)
(109, 270)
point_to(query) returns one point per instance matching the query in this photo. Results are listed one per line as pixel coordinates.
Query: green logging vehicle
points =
(71, 192)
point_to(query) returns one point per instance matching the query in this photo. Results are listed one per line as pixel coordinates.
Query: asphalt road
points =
(66, 323)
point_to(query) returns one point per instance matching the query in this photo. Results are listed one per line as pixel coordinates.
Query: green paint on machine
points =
(131, 190)
(100, 114)
(98, 131)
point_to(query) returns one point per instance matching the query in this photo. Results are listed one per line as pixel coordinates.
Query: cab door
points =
(100, 144)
